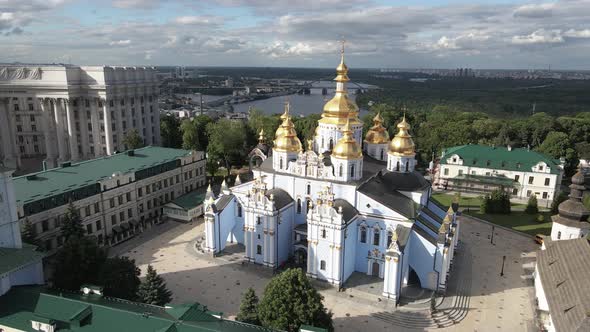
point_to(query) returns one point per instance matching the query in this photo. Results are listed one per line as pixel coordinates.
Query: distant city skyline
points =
(299, 33)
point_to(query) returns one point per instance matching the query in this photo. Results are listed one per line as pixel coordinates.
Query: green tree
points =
(120, 278)
(249, 308)
(71, 226)
(498, 201)
(201, 123)
(484, 206)
(290, 301)
(133, 140)
(28, 234)
(558, 145)
(557, 199)
(170, 132)
(225, 148)
(532, 206)
(153, 289)
(76, 263)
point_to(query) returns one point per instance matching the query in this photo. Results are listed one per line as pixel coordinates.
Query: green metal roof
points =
(483, 156)
(70, 312)
(190, 200)
(12, 258)
(40, 185)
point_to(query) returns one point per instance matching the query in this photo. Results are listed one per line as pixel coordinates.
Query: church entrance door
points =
(375, 269)
(413, 279)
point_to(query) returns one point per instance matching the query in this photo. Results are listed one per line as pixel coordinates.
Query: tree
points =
(290, 301)
(28, 234)
(228, 149)
(190, 135)
(498, 201)
(153, 289)
(249, 308)
(120, 278)
(558, 145)
(71, 226)
(76, 263)
(133, 140)
(532, 205)
(557, 199)
(170, 132)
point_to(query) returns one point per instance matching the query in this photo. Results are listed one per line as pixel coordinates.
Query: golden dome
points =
(377, 134)
(285, 115)
(402, 143)
(340, 107)
(288, 140)
(347, 147)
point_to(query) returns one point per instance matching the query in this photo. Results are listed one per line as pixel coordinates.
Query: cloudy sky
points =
(379, 33)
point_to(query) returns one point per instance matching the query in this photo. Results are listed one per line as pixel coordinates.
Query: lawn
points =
(519, 221)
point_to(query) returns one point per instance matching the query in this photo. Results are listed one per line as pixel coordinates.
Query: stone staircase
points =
(448, 310)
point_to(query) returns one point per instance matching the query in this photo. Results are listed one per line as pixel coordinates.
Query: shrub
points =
(531, 206)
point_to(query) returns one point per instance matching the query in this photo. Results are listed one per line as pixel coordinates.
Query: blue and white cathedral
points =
(344, 204)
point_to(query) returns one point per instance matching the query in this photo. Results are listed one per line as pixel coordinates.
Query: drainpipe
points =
(434, 268)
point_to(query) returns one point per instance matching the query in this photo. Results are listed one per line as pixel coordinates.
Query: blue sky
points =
(379, 33)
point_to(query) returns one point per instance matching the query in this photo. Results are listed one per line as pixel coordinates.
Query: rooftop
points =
(55, 181)
(14, 258)
(564, 269)
(516, 159)
(78, 312)
(190, 200)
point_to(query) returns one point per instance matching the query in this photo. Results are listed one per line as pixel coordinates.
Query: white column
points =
(210, 233)
(247, 242)
(95, 127)
(108, 130)
(6, 135)
(156, 115)
(48, 131)
(61, 147)
(120, 132)
(390, 277)
(83, 127)
(71, 132)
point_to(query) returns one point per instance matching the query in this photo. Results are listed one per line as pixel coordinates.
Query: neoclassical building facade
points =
(339, 206)
(70, 113)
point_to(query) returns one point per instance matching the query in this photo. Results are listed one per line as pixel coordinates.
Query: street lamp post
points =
(503, 261)
(492, 238)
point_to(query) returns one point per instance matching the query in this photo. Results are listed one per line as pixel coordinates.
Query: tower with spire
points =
(571, 222)
(401, 152)
(286, 144)
(377, 139)
(337, 112)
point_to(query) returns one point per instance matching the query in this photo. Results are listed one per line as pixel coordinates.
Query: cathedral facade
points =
(344, 204)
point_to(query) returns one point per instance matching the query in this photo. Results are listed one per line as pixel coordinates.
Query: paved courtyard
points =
(491, 303)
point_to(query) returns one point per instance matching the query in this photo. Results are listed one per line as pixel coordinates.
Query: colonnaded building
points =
(67, 113)
(336, 207)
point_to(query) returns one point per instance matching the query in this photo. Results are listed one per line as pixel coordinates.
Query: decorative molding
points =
(20, 73)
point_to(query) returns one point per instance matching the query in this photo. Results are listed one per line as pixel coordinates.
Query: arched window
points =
(299, 206)
(259, 249)
(397, 166)
(376, 234)
(558, 235)
(351, 171)
(281, 163)
(389, 238)
(239, 210)
(381, 155)
(363, 234)
(407, 166)
(323, 265)
(331, 144)
(323, 233)
(340, 170)
(309, 189)
(323, 145)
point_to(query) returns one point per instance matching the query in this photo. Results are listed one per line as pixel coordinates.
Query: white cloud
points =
(136, 4)
(280, 49)
(535, 10)
(540, 36)
(199, 20)
(577, 33)
(120, 42)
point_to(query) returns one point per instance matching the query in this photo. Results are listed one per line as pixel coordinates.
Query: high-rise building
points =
(62, 112)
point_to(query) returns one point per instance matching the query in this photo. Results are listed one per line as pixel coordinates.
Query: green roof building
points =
(29, 308)
(117, 196)
(481, 168)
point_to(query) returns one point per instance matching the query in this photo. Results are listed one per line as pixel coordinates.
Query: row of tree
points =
(81, 261)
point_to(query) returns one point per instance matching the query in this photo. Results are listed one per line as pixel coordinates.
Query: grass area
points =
(464, 201)
(516, 220)
(519, 221)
